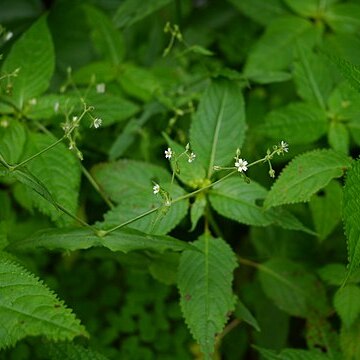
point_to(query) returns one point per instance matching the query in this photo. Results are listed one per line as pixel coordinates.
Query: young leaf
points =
(326, 209)
(347, 304)
(204, 282)
(305, 175)
(339, 137)
(343, 18)
(107, 40)
(123, 240)
(12, 140)
(351, 216)
(275, 49)
(59, 169)
(292, 288)
(218, 127)
(29, 308)
(33, 54)
(295, 120)
(235, 199)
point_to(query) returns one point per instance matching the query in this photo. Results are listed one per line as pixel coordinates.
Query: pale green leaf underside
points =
(29, 308)
(218, 127)
(205, 284)
(305, 175)
(33, 53)
(351, 215)
(347, 303)
(123, 240)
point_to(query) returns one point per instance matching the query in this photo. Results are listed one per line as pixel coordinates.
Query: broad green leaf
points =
(218, 127)
(58, 169)
(326, 209)
(192, 174)
(347, 304)
(313, 77)
(243, 313)
(33, 54)
(334, 274)
(297, 123)
(132, 11)
(29, 308)
(270, 77)
(197, 210)
(305, 175)
(111, 108)
(351, 215)
(292, 354)
(275, 49)
(71, 351)
(100, 71)
(237, 200)
(349, 341)
(261, 11)
(339, 137)
(129, 184)
(123, 240)
(343, 18)
(106, 39)
(164, 267)
(12, 141)
(205, 285)
(138, 82)
(292, 288)
(308, 8)
(350, 71)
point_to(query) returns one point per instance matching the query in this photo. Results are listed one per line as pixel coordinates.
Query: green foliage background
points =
(238, 266)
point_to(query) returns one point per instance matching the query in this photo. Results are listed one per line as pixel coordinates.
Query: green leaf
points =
(275, 49)
(59, 170)
(347, 304)
(101, 71)
(294, 121)
(326, 209)
(308, 8)
(218, 127)
(350, 71)
(292, 288)
(132, 11)
(339, 137)
(164, 267)
(123, 240)
(106, 39)
(12, 141)
(349, 341)
(33, 54)
(70, 351)
(313, 77)
(343, 18)
(237, 200)
(292, 354)
(243, 313)
(29, 308)
(305, 175)
(261, 11)
(335, 274)
(197, 210)
(129, 183)
(204, 282)
(351, 216)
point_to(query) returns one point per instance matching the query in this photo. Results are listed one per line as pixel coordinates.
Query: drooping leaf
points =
(305, 175)
(29, 308)
(344, 18)
(129, 184)
(294, 121)
(274, 51)
(261, 11)
(33, 54)
(339, 137)
(59, 170)
(106, 39)
(123, 240)
(326, 209)
(351, 216)
(218, 127)
(204, 281)
(292, 288)
(132, 11)
(243, 313)
(347, 304)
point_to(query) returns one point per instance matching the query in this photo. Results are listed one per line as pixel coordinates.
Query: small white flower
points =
(192, 157)
(56, 106)
(8, 35)
(97, 123)
(284, 146)
(100, 88)
(168, 153)
(32, 101)
(241, 165)
(156, 188)
(4, 123)
(74, 118)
